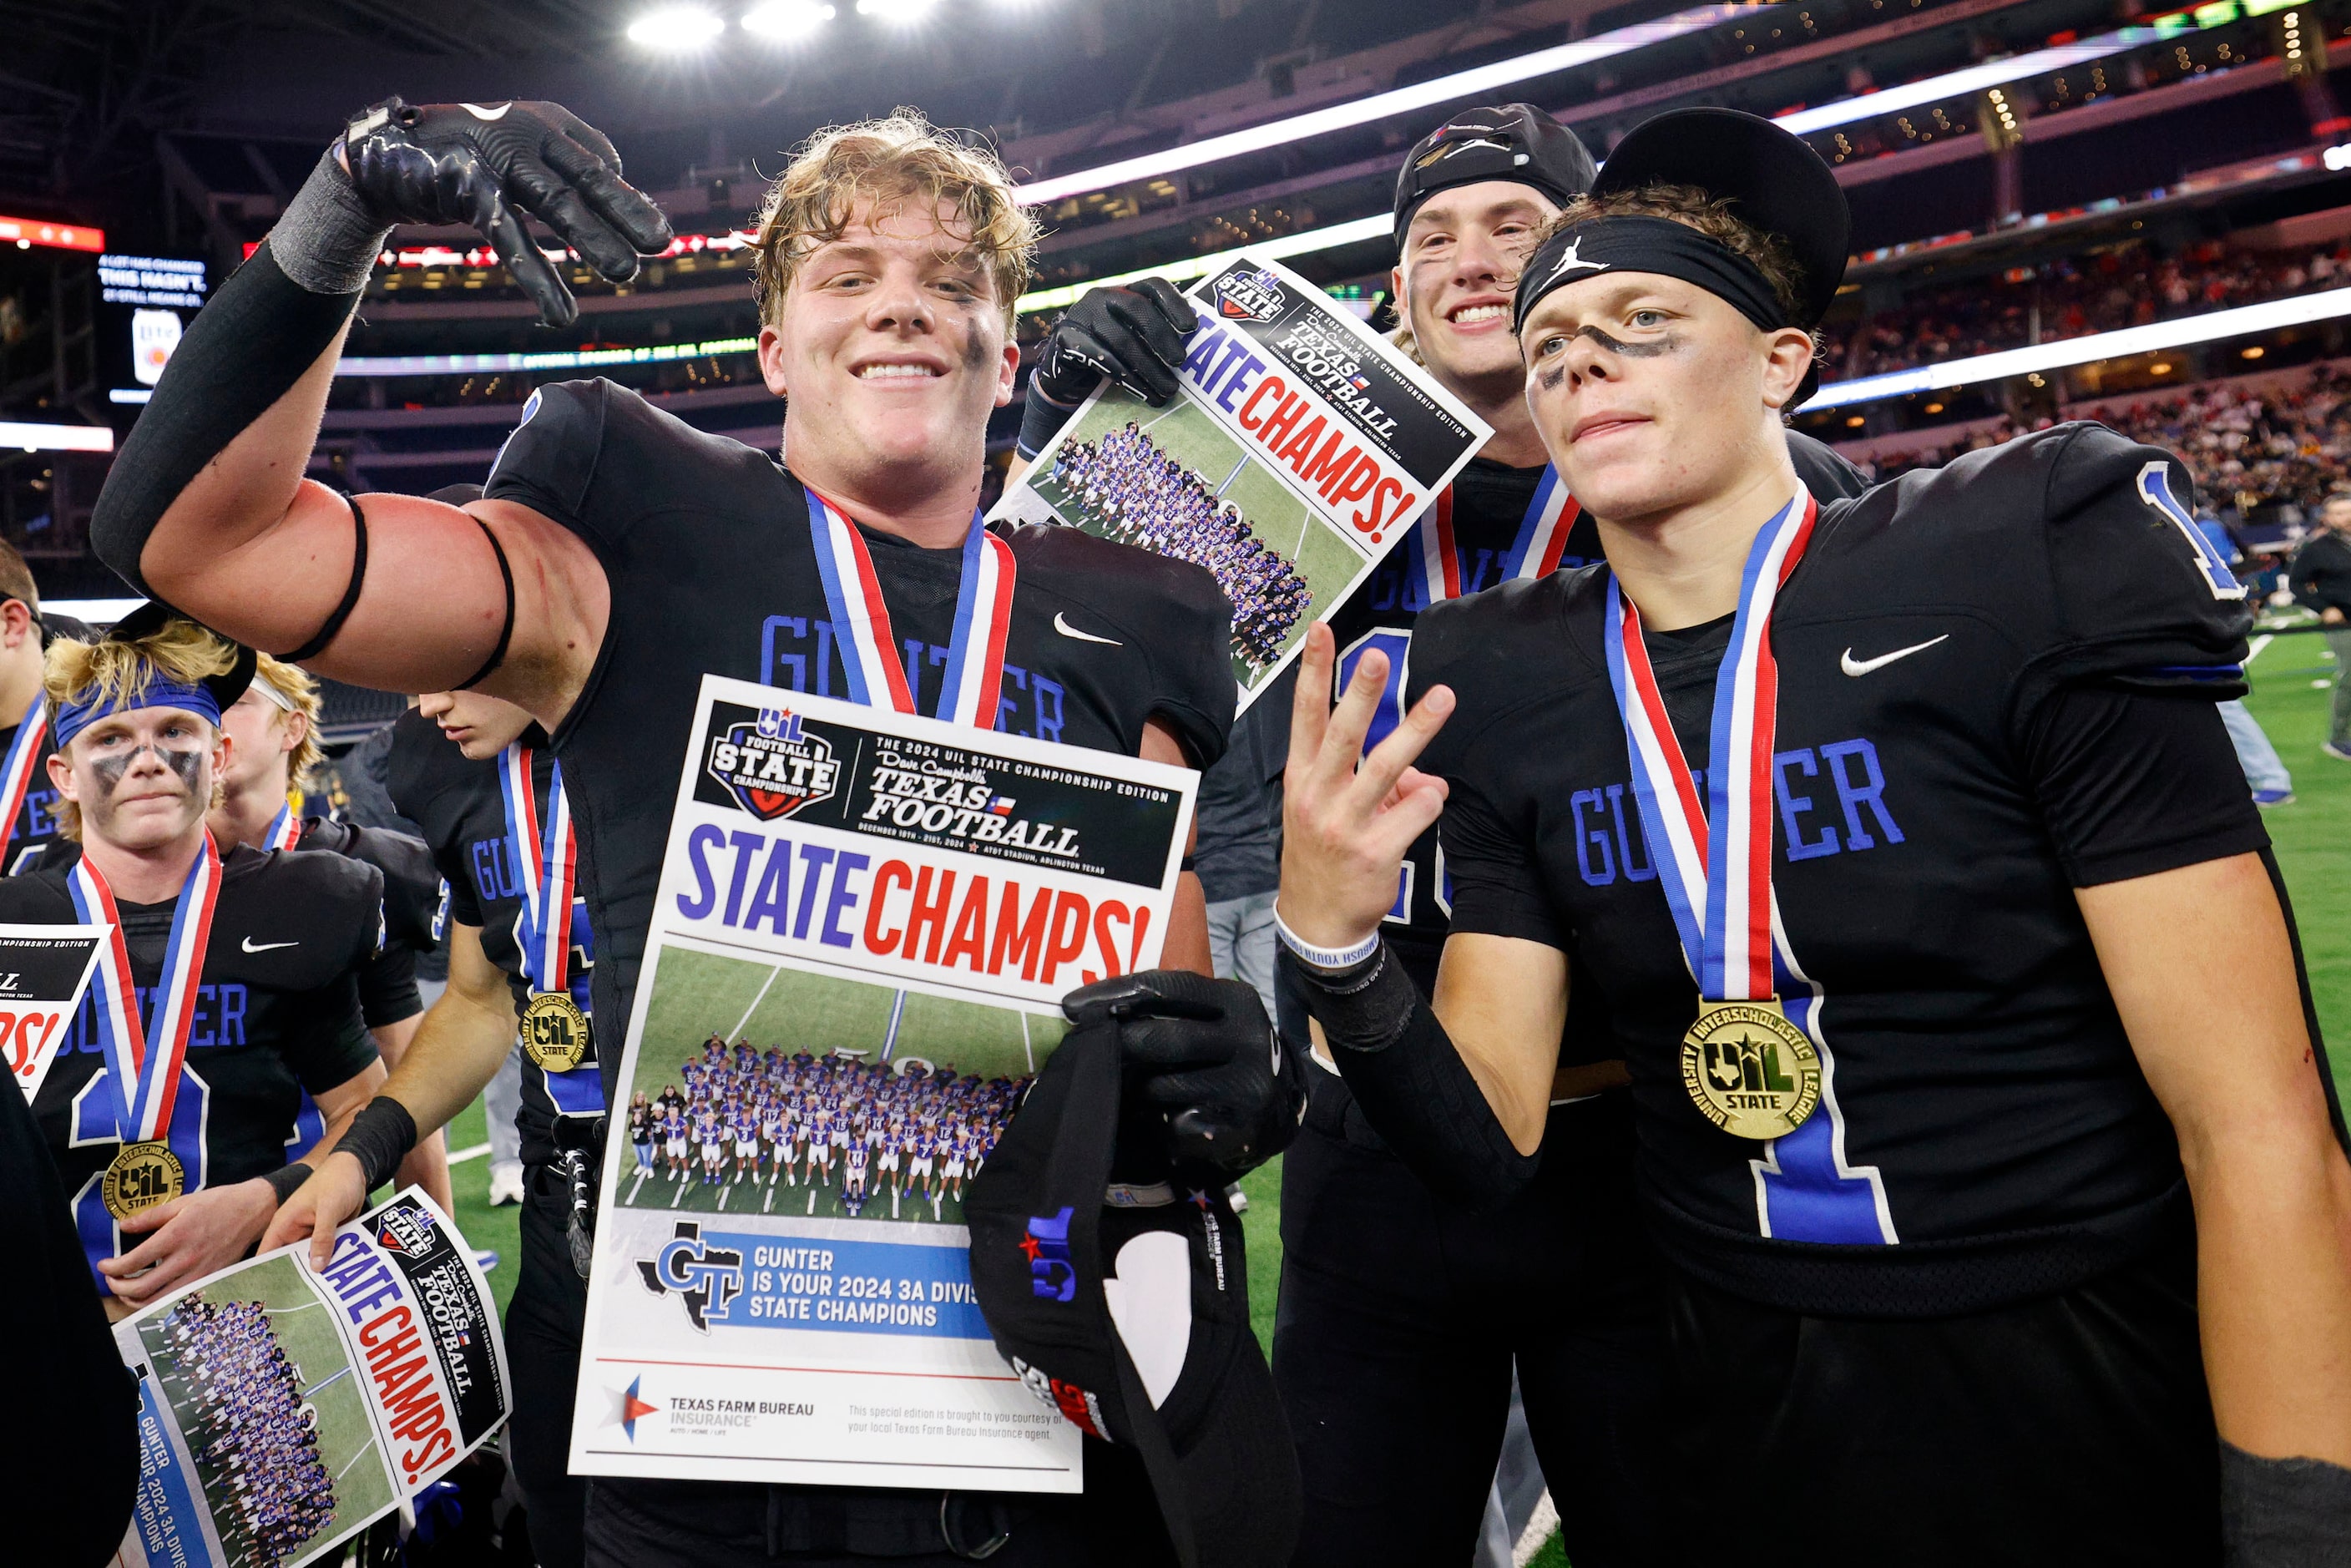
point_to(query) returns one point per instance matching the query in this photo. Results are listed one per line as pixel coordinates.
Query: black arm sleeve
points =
(2132, 783)
(259, 333)
(1412, 1083)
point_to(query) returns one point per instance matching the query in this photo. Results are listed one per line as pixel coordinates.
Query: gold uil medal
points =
(143, 1176)
(554, 1032)
(1751, 1071)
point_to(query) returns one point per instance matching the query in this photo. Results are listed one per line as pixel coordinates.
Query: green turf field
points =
(299, 1320)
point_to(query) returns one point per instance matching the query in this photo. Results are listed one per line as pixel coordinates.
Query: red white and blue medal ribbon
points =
(17, 769)
(144, 1056)
(1715, 864)
(548, 857)
(1534, 551)
(860, 621)
(285, 829)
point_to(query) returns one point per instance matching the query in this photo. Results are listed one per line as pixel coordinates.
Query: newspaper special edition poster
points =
(1298, 451)
(865, 923)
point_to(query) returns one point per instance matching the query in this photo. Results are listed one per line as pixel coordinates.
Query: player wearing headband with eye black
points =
(619, 555)
(1398, 1413)
(228, 991)
(1983, 1125)
(273, 732)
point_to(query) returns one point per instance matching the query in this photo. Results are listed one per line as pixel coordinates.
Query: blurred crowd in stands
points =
(2127, 286)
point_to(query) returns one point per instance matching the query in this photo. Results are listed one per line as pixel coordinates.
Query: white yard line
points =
(476, 1153)
(736, 1032)
(2260, 642)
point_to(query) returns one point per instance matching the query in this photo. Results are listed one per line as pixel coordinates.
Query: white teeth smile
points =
(1469, 313)
(895, 372)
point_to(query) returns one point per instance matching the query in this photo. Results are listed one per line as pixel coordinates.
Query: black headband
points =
(1628, 243)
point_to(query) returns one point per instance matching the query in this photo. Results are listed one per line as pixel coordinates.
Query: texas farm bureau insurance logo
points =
(772, 766)
(1250, 296)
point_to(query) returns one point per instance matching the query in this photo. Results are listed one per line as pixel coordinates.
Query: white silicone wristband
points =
(1323, 957)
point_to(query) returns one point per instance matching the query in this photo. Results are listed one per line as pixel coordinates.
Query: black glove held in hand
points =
(1133, 335)
(1209, 1089)
(468, 164)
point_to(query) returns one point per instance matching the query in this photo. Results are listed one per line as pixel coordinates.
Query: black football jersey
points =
(34, 828)
(412, 908)
(1994, 684)
(707, 545)
(1490, 504)
(457, 802)
(277, 1014)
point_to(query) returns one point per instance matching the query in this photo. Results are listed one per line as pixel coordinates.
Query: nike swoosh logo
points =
(1853, 667)
(1066, 630)
(478, 112)
(251, 946)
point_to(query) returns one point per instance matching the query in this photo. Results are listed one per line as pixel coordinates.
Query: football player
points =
(619, 555)
(183, 1070)
(1984, 1126)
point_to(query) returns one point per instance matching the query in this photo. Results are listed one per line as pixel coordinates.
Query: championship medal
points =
(1749, 1069)
(285, 829)
(869, 649)
(143, 1176)
(1534, 552)
(554, 1031)
(144, 1056)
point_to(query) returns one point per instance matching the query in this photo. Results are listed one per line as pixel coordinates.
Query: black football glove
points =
(475, 165)
(1135, 336)
(1209, 1091)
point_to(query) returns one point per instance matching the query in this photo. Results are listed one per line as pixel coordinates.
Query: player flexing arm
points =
(1642, 339)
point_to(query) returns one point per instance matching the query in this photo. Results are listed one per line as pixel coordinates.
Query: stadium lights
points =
(901, 12)
(553, 360)
(1379, 106)
(676, 27)
(1379, 226)
(55, 437)
(29, 232)
(786, 19)
(2300, 310)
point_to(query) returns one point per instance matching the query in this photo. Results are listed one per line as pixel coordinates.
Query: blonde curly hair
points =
(72, 671)
(893, 161)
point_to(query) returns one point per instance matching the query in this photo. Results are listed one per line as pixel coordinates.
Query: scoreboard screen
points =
(145, 302)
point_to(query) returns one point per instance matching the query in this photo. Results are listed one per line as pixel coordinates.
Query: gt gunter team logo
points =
(1751, 1071)
(772, 766)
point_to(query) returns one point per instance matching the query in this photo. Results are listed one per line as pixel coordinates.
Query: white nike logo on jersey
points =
(1853, 667)
(252, 946)
(1066, 630)
(478, 112)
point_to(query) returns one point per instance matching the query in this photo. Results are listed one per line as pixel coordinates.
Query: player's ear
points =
(297, 730)
(1788, 354)
(61, 774)
(1009, 366)
(771, 361)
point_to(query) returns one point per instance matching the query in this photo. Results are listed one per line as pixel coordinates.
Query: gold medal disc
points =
(143, 1176)
(555, 1033)
(1751, 1071)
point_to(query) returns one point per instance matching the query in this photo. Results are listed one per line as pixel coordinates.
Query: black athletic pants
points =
(2071, 1431)
(544, 1321)
(1399, 1320)
(1113, 1524)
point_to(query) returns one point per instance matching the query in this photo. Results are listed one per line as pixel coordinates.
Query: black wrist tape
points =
(1040, 420)
(2283, 1513)
(380, 1137)
(286, 1180)
(1411, 1082)
(247, 347)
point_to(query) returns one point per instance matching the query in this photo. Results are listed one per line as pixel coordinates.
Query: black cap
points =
(1509, 142)
(154, 615)
(1102, 1297)
(1773, 179)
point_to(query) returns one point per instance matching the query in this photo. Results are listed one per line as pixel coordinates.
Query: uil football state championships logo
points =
(772, 766)
(1250, 296)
